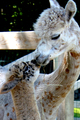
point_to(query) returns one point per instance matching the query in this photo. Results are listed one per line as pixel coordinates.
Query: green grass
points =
(77, 112)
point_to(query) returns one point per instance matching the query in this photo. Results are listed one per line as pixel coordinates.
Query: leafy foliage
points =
(77, 112)
(20, 15)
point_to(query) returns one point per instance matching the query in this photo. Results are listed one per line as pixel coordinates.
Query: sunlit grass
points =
(77, 112)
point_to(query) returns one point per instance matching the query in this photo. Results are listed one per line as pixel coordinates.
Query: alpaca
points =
(59, 34)
(20, 80)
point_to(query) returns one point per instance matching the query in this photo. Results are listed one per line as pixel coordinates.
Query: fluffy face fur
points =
(51, 20)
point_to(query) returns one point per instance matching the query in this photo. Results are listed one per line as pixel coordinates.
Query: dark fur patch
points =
(34, 62)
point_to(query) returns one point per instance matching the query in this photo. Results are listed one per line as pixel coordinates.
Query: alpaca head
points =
(53, 27)
(21, 72)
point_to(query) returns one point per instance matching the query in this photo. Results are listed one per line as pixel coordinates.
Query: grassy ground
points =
(77, 112)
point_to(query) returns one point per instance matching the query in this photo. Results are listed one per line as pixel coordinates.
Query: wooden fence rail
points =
(18, 40)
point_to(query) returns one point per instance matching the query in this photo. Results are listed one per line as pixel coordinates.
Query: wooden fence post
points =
(69, 105)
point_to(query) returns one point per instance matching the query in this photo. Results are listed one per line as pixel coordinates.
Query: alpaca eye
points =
(55, 36)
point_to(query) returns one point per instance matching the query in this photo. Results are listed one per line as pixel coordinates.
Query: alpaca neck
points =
(67, 74)
(24, 102)
(65, 78)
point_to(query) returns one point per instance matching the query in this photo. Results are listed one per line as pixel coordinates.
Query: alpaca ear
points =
(54, 3)
(9, 85)
(70, 10)
(5, 84)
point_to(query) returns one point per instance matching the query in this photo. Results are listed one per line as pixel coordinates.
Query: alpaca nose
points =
(42, 60)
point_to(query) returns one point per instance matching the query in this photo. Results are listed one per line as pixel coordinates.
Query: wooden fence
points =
(29, 41)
